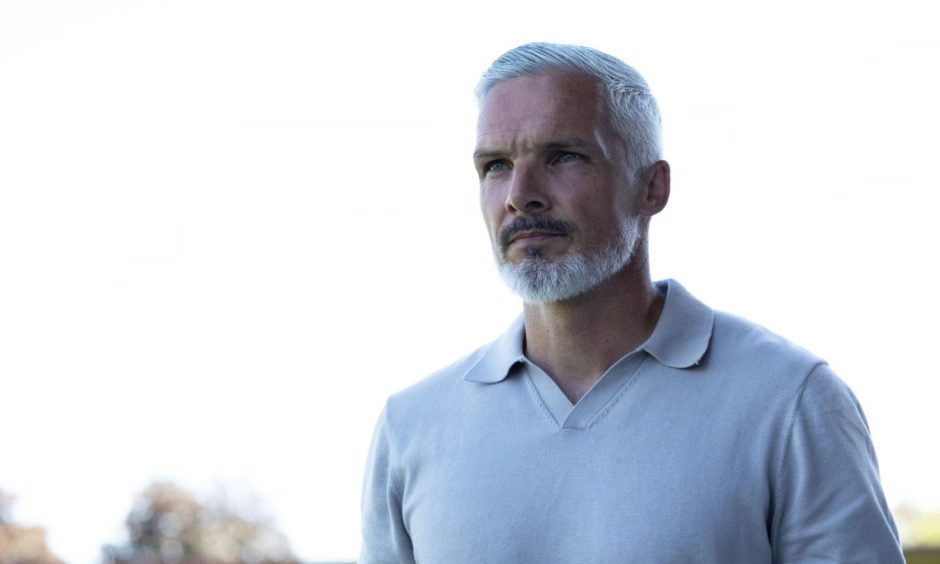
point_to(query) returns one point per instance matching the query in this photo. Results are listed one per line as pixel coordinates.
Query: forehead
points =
(560, 104)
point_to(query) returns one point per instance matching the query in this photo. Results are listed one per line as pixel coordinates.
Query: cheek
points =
(491, 206)
(599, 223)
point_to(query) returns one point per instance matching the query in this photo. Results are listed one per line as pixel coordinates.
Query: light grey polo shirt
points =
(715, 442)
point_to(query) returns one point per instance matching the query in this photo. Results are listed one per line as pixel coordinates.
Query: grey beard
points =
(540, 280)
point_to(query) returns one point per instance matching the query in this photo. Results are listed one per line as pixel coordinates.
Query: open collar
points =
(684, 329)
(500, 356)
(680, 339)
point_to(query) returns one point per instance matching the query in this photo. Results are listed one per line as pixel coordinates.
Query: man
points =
(618, 420)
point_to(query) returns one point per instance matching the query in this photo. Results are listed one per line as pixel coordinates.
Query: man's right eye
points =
(499, 165)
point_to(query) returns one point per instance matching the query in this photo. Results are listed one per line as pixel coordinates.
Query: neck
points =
(575, 341)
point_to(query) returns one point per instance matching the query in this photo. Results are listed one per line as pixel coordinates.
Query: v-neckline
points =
(583, 414)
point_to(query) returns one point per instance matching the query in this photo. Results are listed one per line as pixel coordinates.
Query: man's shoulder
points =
(486, 365)
(437, 387)
(739, 340)
(689, 329)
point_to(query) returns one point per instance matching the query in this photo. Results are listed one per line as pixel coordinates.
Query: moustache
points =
(522, 224)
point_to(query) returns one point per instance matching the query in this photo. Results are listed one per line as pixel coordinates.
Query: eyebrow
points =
(486, 154)
(562, 144)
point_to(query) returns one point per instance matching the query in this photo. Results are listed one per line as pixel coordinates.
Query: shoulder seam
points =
(392, 455)
(782, 455)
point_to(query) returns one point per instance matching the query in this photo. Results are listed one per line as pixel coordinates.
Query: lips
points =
(534, 235)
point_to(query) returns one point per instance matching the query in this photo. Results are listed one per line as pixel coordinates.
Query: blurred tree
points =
(167, 524)
(21, 545)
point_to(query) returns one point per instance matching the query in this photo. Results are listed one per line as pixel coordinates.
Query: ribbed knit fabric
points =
(715, 442)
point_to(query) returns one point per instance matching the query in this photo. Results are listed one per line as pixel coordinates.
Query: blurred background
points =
(229, 230)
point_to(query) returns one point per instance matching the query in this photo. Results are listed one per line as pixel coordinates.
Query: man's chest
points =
(606, 494)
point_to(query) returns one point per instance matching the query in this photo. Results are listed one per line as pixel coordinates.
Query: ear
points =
(656, 188)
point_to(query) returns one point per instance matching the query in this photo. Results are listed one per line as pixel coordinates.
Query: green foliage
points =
(922, 556)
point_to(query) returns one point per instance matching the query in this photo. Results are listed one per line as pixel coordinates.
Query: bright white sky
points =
(229, 230)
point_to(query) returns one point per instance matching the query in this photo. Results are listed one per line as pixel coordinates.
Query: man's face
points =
(556, 194)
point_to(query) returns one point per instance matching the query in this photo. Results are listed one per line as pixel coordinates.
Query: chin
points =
(538, 279)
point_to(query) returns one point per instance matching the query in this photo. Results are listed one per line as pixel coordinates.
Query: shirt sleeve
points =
(829, 505)
(384, 537)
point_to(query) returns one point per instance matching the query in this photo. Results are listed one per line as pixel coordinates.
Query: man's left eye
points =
(568, 157)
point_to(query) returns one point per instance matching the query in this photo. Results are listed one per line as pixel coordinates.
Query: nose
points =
(526, 194)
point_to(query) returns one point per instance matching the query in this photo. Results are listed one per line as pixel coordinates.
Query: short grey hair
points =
(632, 107)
